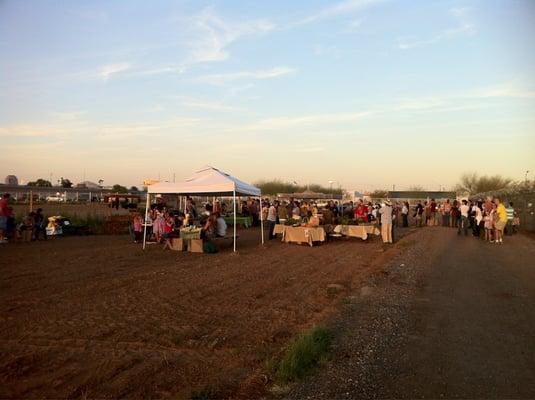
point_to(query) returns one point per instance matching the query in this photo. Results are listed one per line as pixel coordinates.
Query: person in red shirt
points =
(361, 212)
(5, 213)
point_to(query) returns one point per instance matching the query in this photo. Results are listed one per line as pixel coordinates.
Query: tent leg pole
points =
(261, 219)
(145, 220)
(234, 206)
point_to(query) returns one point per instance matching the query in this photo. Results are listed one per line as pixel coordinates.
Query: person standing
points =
(405, 214)
(220, 225)
(4, 215)
(432, 212)
(158, 225)
(418, 214)
(361, 213)
(138, 228)
(282, 211)
(488, 223)
(510, 216)
(439, 214)
(463, 223)
(446, 219)
(386, 222)
(395, 214)
(455, 215)
(39, 225)
(501, 220)
(272, 218)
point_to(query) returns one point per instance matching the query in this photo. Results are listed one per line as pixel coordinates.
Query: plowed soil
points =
(98, 317)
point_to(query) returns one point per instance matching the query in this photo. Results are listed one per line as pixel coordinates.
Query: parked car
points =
(55, 199)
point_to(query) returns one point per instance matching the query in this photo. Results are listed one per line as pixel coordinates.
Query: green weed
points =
(304, 353)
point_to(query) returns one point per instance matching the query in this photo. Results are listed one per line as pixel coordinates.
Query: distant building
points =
(88, 185)
(309, 195)
(11, 180)
(355, 195)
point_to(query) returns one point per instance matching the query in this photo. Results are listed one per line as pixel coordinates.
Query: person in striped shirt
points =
(510, 216)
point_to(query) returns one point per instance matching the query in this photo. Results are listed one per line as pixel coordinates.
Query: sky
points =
(365, 93)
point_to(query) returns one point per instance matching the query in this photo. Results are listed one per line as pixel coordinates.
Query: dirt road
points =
(454, 317)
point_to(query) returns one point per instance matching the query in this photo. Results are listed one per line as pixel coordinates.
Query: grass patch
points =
(304, 354)
(95, 222)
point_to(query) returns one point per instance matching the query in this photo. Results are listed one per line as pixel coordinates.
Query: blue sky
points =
(368, 93)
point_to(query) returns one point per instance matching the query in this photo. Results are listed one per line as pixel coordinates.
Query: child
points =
(168, 227)
(488, 226)
(138, 224)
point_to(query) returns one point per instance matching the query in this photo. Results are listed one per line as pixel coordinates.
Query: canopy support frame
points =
(234, 216)
(145, 220)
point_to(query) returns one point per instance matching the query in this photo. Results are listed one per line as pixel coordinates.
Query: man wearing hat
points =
(386, 221)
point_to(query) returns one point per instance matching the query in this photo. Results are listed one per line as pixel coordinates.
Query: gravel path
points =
(452, 317)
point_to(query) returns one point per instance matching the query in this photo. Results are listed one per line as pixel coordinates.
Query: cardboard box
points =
(196, 246)
(26, 235)
(176, 244)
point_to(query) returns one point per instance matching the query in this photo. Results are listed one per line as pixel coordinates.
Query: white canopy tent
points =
(207, 181)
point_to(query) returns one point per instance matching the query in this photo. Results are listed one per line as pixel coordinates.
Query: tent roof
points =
(207, 181)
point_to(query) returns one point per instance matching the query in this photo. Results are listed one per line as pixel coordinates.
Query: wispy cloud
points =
(208, 105)
(354, 25)
(213, 35)
(464, 26)
(316, 149)
(470, 99)
(315, 120)
(505, 90)
(171, 69)
(218, 79)
(107, 71)
(208, 37)
(331, 51)
(338, 9)
(67, 116)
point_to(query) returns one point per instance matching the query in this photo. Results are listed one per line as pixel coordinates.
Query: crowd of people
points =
(31, 227)
(163, 223)
(329, 214)
(489, 219)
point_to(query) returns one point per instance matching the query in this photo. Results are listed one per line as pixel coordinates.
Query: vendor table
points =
(360, 231)
(188, 233)
(244, 221)
(300, 234)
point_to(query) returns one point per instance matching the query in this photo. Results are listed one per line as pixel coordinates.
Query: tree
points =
(472, 183)
(416, 188)
(40, 183)
(134, 189)
(278, 186)
(119, 189)
(379, 194)
(65, 183)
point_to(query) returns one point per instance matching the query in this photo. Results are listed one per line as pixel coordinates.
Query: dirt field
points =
(98, 317)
